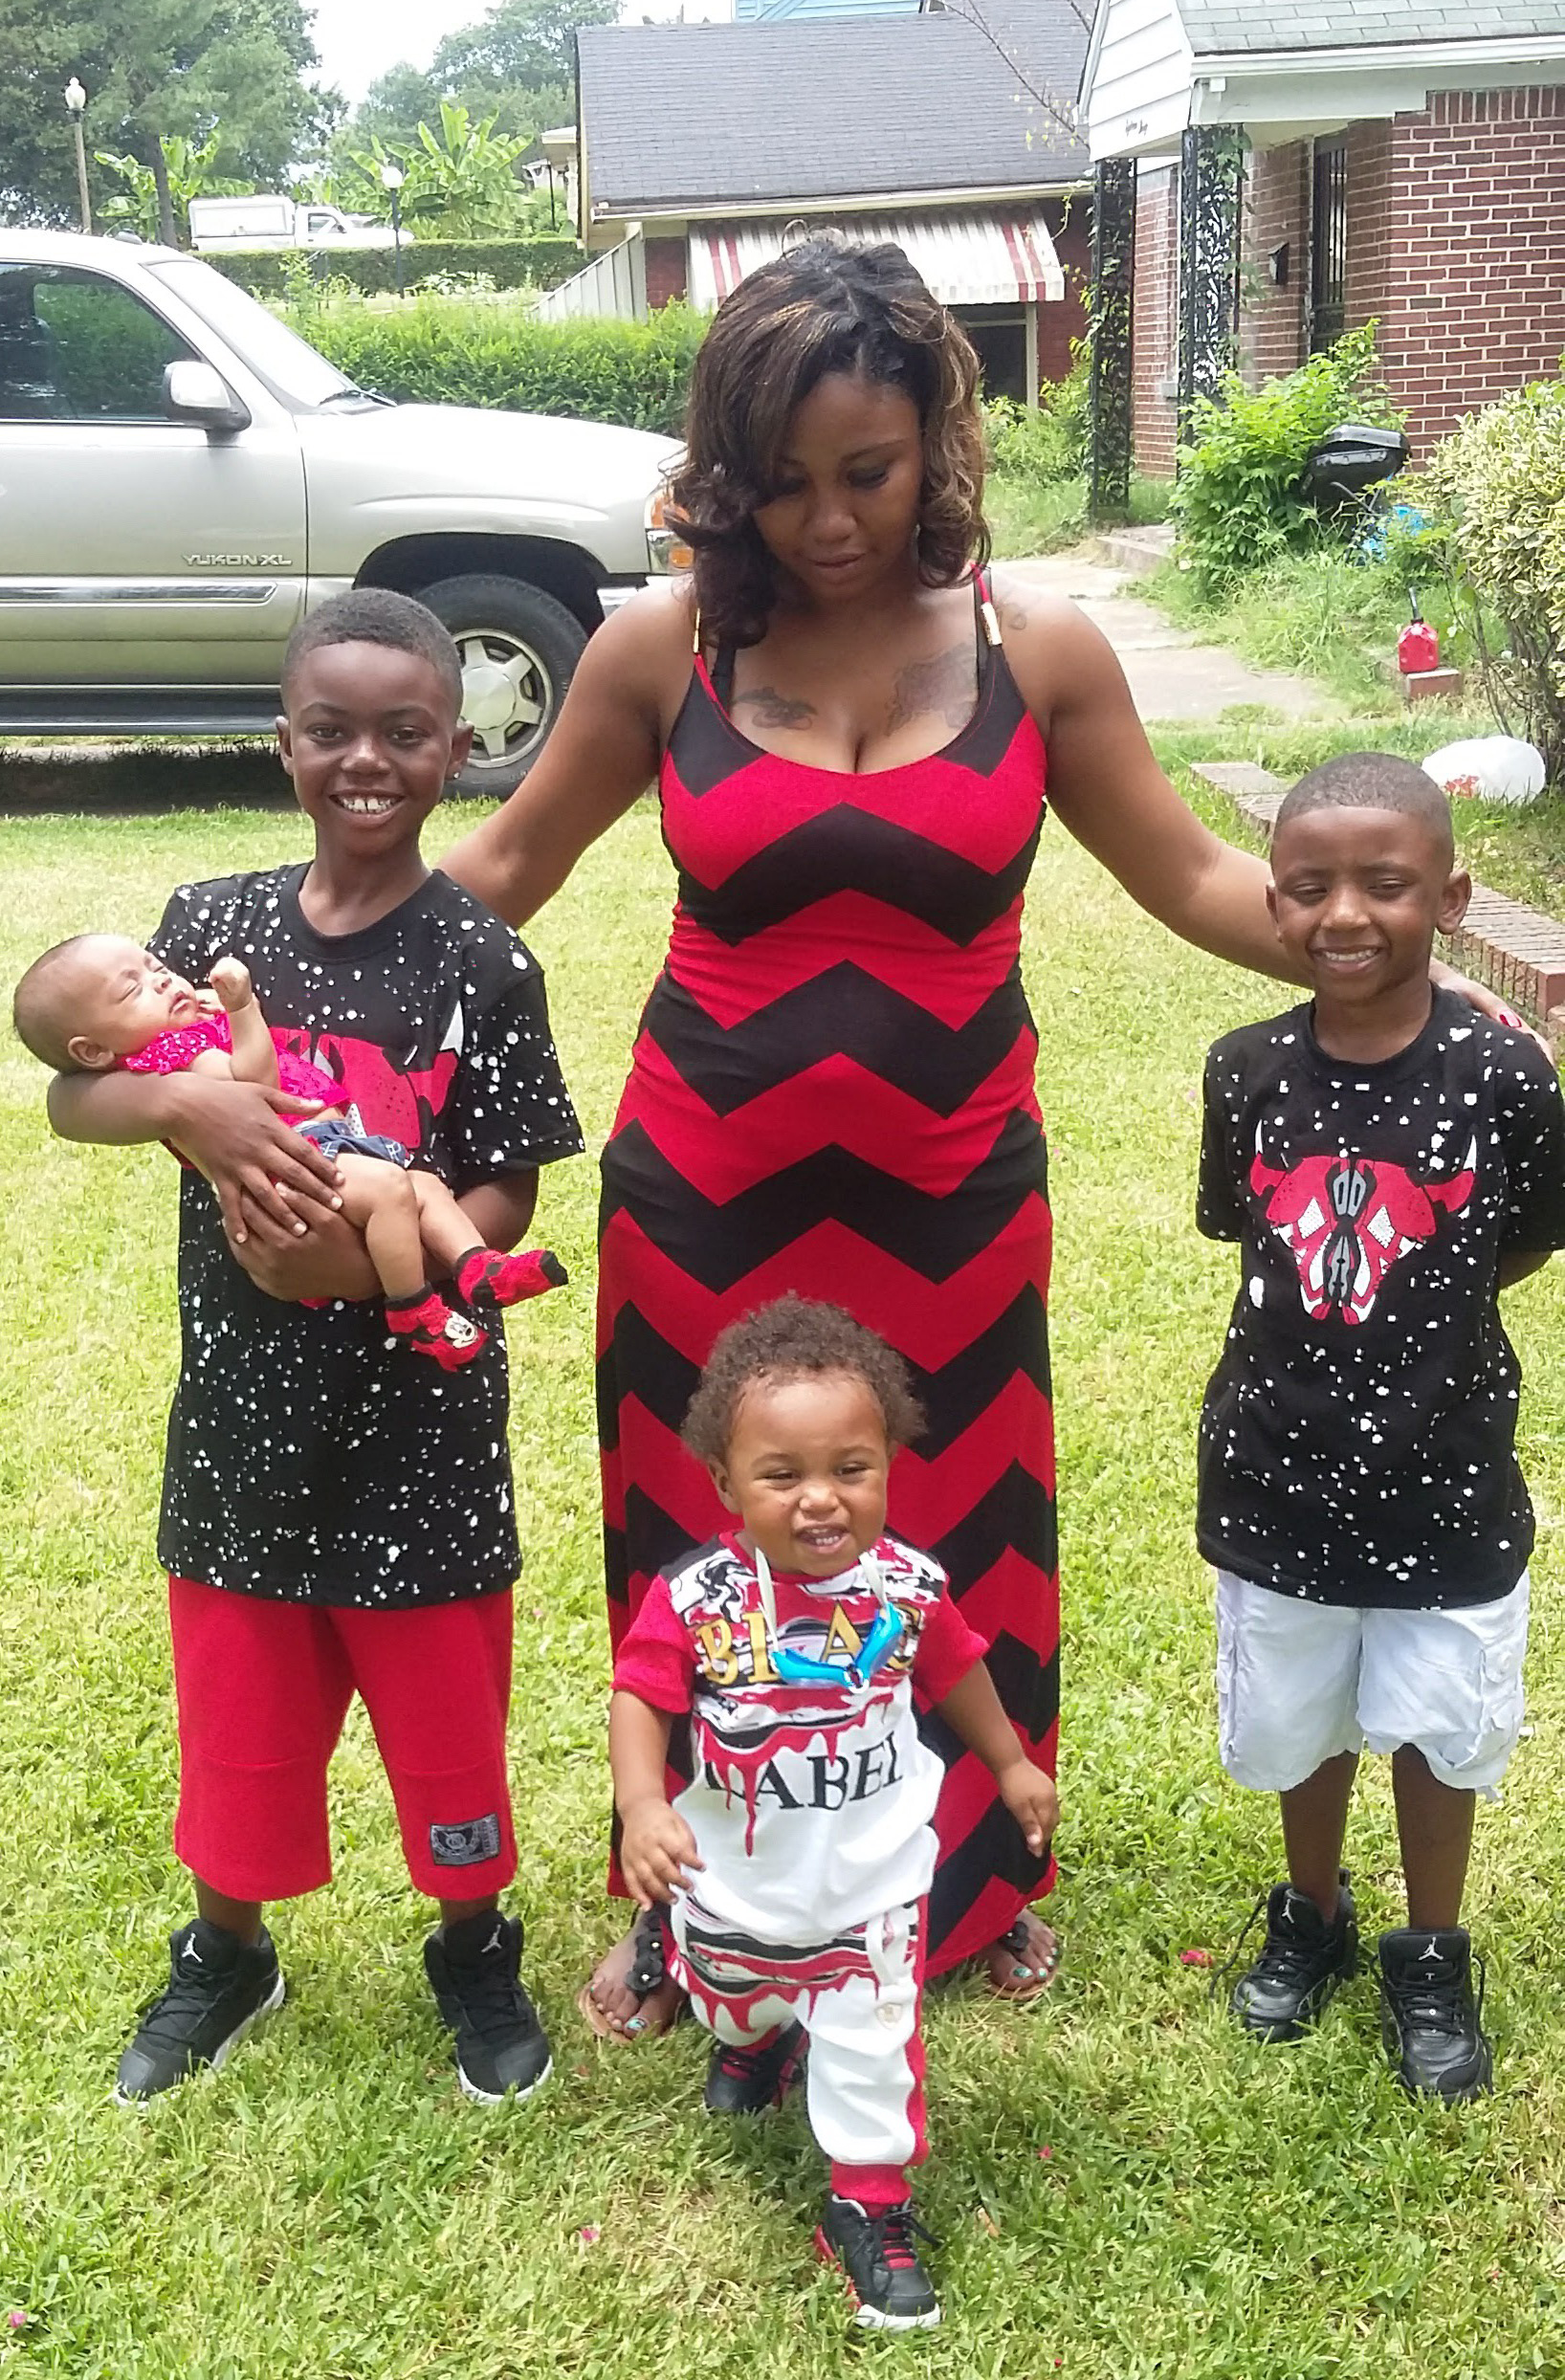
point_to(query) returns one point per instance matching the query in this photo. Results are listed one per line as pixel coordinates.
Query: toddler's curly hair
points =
(795, 1338)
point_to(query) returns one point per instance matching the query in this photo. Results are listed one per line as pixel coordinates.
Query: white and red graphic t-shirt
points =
(308, 1459)
(1358, 1437)
(810, 1806)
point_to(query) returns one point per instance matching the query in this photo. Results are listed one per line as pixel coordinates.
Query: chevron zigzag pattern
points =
(832, 1092)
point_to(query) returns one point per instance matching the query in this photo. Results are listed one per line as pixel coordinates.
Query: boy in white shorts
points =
(1388, 1161)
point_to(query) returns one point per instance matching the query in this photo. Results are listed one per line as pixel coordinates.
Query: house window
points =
(1329, 245)
(999, 334)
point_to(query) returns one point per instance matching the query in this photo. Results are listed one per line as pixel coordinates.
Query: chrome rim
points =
(507, 695)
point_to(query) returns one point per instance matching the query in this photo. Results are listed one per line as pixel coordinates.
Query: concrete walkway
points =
(1172, 675)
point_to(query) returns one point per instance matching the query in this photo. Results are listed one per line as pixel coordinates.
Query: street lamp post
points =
(392, 179)
(75, 103)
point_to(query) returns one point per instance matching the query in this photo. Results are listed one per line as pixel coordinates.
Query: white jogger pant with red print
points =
(858, 1999)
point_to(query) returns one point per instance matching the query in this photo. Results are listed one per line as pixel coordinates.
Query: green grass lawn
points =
(1123, 2187)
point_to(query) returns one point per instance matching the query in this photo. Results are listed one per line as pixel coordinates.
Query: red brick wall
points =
(1070, 228)
(1474, 299)
(1276, 211)
(1372, 223)
(1456, 248)
(1154, 335)
(668, 267)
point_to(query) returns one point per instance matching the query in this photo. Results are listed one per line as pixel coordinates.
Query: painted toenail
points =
(634, 2024)
(1022, 1974)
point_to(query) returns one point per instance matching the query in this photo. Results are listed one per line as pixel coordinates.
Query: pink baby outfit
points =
(174, 1051)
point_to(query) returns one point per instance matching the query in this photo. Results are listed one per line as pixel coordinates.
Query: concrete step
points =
(1137, 552)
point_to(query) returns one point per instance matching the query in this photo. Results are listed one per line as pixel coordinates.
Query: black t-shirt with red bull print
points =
(1358, 1437)
(308, 1459)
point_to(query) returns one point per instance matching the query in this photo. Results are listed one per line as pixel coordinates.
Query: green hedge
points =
(510, 264)
(457, 351)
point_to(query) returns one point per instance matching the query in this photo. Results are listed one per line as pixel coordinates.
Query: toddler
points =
(799, 1856)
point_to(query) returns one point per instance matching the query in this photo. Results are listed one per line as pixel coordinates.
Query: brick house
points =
(706, 149)
(1294, 171)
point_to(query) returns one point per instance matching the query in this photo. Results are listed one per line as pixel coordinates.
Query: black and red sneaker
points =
(428, 1326)
(747, 2082)
(490, 1279)
(886, 2281)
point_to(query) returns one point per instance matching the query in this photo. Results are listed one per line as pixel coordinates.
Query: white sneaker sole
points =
(220, 2056)
(497, 2098)
(870, 2318)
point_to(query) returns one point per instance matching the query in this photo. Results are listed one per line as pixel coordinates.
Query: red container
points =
(1418, 648)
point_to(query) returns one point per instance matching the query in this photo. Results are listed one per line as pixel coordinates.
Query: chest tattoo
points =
(775, 710)
(943, 685)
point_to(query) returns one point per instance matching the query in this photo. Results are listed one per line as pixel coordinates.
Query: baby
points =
(100, 1001)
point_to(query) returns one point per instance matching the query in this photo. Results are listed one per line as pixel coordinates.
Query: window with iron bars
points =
(1328, 244)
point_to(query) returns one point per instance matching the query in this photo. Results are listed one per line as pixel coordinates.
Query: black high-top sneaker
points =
(747, 2082)
(474, 1971)
(1430, 2025)
(886, 2281)
(217, 1988)
(1303, 1962)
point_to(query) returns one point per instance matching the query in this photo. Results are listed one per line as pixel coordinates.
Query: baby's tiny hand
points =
(656, 1847)
(229, 979)
(1030, 1798)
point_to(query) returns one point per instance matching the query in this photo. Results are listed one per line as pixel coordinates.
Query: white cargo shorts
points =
(1298, 1681)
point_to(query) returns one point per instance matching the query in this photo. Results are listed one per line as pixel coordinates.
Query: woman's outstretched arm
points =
(1107, 789)
(603, 753)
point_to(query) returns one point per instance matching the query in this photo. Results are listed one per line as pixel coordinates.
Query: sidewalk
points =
(1171, 677)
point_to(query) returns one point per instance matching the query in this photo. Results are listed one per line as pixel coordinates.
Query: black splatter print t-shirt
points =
(1358, 1437)
(308, 1460)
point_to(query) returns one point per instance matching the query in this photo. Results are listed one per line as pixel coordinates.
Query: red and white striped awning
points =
(967, 259)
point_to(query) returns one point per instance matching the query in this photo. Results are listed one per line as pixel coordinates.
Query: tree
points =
(513, 73)
(461, 182)
(394, 107)
(189, 172)
(156, 70)
(521, 45)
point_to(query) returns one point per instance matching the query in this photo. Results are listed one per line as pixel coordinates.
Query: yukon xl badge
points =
(238, 561)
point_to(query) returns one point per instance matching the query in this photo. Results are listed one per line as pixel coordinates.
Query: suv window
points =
(74, 347)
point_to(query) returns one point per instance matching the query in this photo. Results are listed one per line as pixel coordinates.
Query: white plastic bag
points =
(1489, 768)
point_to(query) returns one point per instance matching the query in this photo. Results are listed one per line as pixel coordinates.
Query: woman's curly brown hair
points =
(795, 1338)
(823, 307)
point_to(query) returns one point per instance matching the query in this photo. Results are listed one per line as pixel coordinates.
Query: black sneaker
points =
(1430, 2023)
(887, 2283)
(472, 1969)
(1302, 1963)
(747, 2082)
(217, 1988)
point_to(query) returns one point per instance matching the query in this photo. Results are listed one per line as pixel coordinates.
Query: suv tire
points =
(519, 649)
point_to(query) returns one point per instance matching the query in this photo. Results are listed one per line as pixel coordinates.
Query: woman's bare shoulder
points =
(1048, 639)
(658, 622)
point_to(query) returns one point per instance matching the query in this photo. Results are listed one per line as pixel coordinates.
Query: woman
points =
(832, 1087)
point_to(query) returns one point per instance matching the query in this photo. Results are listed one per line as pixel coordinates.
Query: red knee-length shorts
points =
(263, 1688)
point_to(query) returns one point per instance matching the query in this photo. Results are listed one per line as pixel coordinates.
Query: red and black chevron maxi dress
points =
(832, 1092)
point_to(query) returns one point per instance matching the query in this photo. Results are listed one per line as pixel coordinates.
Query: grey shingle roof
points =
(1346, 24)
(699, 116)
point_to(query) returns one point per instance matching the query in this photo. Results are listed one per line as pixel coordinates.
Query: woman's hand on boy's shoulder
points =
(1488, 1004)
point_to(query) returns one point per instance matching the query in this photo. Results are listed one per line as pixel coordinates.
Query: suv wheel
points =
(519, 649)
